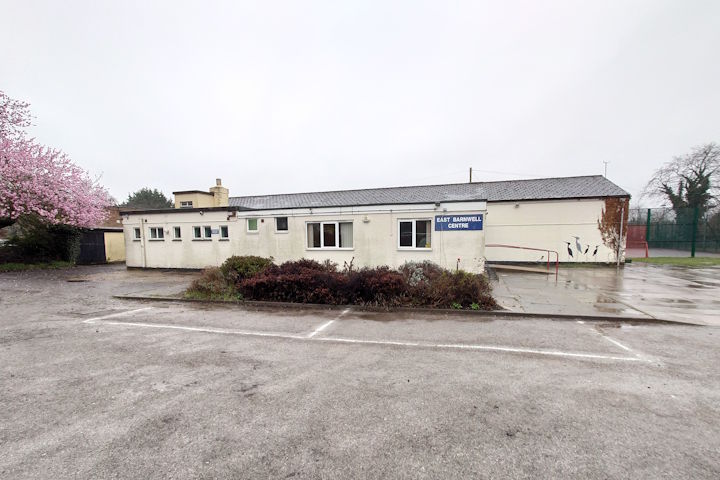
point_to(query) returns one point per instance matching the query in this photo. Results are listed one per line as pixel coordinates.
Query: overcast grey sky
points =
(279, 97)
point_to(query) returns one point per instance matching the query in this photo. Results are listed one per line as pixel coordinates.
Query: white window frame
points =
(205, 230)
(202, 233)
(322, 236)
(186, 204)
(414, 231)
(137, 234)
(196, 237)
(287, 219)
(257, 225)
(227, 232)
(177, 230)
(159, 234)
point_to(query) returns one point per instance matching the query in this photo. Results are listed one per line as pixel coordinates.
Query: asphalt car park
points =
(97, 387)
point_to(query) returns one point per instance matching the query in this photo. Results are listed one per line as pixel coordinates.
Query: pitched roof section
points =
(595, 186)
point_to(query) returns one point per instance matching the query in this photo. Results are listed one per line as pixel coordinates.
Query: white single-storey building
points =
(455, 225)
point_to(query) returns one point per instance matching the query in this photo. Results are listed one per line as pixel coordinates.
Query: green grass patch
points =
(21, 267)
(681, 261)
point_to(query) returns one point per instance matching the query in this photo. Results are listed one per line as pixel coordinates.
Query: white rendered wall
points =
(545, 224)
(375, 241)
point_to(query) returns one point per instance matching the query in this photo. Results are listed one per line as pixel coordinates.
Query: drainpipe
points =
(142, 241)
(622, 217)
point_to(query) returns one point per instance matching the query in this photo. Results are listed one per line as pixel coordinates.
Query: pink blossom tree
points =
(42, 181)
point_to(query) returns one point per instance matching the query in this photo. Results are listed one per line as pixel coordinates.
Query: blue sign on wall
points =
(473, 221)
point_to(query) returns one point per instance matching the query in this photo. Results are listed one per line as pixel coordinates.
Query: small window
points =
(414, 233)
(224, 231)
(157, 233)
(197, 232)
(252, 224)
(177, 233)
(137, 234)
(281, 224)
(330, 235)
(187, 204)
(207, 232)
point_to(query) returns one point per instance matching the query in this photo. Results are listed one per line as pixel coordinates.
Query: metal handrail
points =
(557, 256)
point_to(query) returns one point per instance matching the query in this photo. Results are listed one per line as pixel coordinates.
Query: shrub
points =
(211, 284)
(418, 272)
(238, 268)
(33, 240)
(304, 287)
(462, 288)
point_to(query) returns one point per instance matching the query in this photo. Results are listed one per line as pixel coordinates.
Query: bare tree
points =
(689, 181)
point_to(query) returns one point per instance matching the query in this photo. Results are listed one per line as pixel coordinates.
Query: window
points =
(197, 232)
(330, 235)
(157, 233)
(177, 233)
(187, 204)
(207, 232)
(252, 225)
(202, 233)
(414, 233)
(281, 224)
(224, 233)
(137, 234)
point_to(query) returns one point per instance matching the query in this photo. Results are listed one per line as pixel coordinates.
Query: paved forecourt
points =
(475, 335)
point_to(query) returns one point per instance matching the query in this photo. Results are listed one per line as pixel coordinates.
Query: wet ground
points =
(636, 290)
(96, 387)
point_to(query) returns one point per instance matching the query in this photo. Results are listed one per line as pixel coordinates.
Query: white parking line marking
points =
(615, 342)
(208, 330)
(444, 346)
(495, 348)
(119, 314)
(327, 324)
(320, 328)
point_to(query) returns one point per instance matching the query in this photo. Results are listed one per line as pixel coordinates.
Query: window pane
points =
(313, 235)
(252, 224)
(137, 233)
(422, 234)
(224, 231)
(406, 234)
(153, 233)
(346, 234)
(160, 233)
(329, 235)
(196, 232)
(177, 232)
(208, 232)
(281, 224)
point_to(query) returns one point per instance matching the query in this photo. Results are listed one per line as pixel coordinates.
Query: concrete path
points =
(690, 295)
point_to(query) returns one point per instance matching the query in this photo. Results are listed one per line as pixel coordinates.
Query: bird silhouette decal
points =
(569, 249)
(586, 250)
(596, 249)
(578, 245)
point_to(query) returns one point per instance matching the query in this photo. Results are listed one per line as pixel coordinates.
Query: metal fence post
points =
(647, 227)
(696, 213)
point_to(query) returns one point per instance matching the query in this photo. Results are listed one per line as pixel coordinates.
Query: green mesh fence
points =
(686, 229)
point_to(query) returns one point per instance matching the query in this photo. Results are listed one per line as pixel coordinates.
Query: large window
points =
(414, 233)
(187, 204)
(281, 224)
(157, 233)
(202, 233)
(252, 225)
(330, 235)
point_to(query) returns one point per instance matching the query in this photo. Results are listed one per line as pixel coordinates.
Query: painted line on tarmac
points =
(618, 344)
(460, 346)
(443, 346)
(119, 314)
(327, 324)
(208, 330)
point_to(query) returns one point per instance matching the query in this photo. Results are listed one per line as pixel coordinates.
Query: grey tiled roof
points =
(594, 186)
